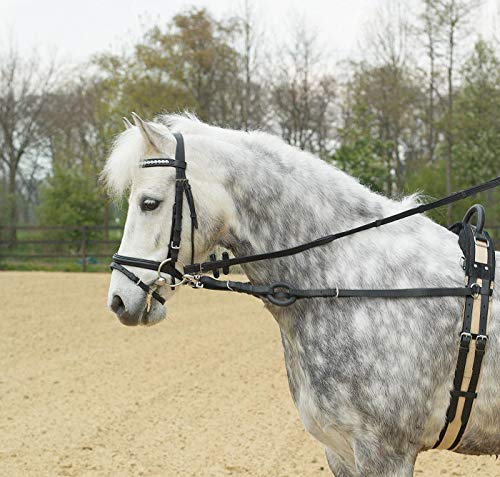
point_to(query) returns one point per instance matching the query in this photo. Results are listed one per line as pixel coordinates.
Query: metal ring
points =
(283, 297)
(172, 285)
(476, 290)
(477, 209)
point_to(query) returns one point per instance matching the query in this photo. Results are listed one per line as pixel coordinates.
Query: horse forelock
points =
(121, 165)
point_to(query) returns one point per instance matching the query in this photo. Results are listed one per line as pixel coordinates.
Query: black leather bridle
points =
(167, 266)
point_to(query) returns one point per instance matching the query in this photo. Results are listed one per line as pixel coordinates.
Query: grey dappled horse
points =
(369, 377)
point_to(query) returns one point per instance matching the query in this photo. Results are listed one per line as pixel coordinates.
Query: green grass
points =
(54, 265)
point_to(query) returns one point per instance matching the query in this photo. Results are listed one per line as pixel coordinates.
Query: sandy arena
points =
(202, 394)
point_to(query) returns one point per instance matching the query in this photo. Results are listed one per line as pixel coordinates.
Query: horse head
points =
(152, 223)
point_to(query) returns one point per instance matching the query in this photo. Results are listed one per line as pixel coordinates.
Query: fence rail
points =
(84, 247)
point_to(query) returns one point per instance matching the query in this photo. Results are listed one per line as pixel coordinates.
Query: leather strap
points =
(162, 162)
(283, 294)
(479, 263)
(137, 281)
(196, 268)
(147, 264)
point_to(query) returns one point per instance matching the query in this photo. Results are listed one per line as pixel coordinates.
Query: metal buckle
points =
(475, 286)
(175, 247)
(466, 335)
(193, 280)
(481, 341)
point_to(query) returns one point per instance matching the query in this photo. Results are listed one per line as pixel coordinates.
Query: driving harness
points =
(478, 264)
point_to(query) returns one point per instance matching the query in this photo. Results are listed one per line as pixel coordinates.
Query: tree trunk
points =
(431, 100)
(449, 123)
(12, 236)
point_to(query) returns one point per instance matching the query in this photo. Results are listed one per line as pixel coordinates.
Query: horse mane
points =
(129, 147)
(187, 123)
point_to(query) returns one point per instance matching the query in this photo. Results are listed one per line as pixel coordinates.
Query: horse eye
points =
(149, 204)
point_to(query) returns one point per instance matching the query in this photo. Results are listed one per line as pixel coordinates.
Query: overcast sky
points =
(76, 29)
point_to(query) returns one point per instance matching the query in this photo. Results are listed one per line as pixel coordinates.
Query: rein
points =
(455, 197)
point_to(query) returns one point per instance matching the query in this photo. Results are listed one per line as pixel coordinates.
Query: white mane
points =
(127, 150)
(130, 147)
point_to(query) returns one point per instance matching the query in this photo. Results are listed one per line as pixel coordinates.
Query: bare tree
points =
(303, 94)
(385, 85)
(253, 97)
(83, 116)
(427, 31)
(450, 21)
(25, 86)
(387, 36)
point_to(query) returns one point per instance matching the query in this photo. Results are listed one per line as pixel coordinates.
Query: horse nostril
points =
(117, 305)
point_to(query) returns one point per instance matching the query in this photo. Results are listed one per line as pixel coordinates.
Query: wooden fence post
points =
(84, 248)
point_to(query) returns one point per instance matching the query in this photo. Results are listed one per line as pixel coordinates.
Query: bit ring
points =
(172, 285)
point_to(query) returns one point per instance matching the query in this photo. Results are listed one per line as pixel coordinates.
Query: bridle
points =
(167, 266)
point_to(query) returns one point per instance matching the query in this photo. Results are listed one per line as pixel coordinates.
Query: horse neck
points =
(283, 197)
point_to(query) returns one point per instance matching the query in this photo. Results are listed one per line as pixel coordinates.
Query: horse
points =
(371, 378)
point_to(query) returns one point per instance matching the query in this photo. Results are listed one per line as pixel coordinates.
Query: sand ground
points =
(204, 393)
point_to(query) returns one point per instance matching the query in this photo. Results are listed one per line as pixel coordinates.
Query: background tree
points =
(303, 95)
(381, 107)
(450, 20)
(477, 123)
(254, 97)
(412, 112)
(25, 86)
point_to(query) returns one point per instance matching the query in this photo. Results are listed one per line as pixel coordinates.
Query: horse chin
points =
(154, 316)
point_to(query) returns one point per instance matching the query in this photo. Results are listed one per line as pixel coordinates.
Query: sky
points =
(74, 30)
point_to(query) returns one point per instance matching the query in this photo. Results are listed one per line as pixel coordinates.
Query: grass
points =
(54, 265)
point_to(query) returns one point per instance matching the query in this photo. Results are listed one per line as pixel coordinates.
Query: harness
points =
(478, 264)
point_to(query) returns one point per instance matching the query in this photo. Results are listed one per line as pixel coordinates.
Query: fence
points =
(83, 247)
(85, 243)
(495, 235)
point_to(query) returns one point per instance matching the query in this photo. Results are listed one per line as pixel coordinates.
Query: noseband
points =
(167, 266)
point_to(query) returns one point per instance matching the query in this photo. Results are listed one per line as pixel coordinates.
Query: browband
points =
(162, 162)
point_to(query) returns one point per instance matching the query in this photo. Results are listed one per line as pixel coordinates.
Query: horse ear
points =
(127, 123)
(150, 135)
